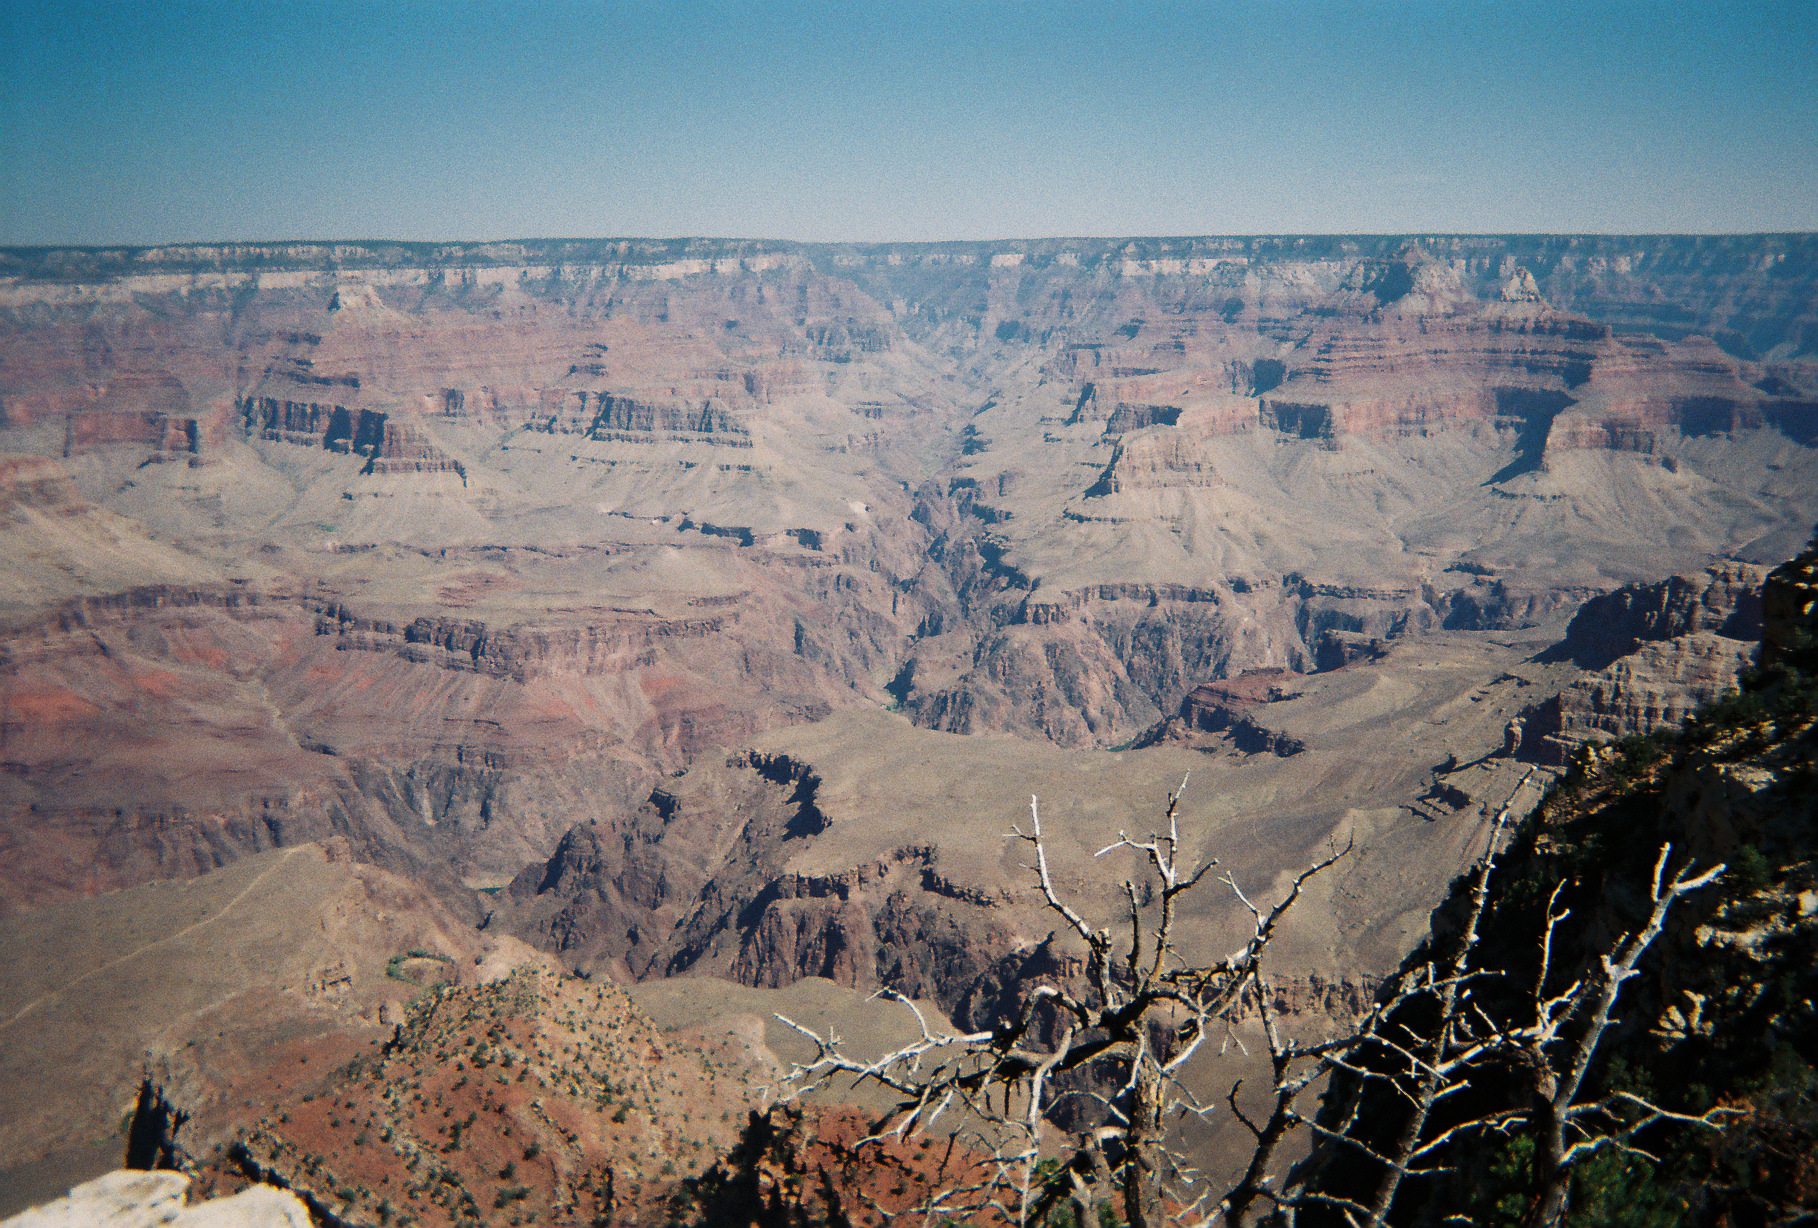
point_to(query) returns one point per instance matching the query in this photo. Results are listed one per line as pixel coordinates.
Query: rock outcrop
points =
(1655, 653)
(1657, 686)
(1228, 709)
(1725, 600)
(152, 1199)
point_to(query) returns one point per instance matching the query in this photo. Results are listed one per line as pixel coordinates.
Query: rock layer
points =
(1654, 654)
(530, 525)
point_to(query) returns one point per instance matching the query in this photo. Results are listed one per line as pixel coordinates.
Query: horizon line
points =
(1026, 239)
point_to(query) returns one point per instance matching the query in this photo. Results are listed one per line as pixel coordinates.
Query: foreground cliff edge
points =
(1717, 1024)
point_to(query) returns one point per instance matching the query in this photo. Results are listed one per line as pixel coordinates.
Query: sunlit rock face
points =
(446, 548)
(1653, 654)
(152, 1199)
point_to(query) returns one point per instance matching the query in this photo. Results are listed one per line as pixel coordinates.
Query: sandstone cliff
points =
(1654, 655)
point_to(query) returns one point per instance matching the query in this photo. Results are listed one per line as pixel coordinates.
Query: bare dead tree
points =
(1297, 1068)
(1551, 1037)
(1434, 1062)
(1568, 1130)
(1147, 1012)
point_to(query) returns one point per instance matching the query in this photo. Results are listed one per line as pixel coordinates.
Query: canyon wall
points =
(445, 548)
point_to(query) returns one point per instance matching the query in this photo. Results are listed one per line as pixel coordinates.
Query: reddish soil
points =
(534, 1099)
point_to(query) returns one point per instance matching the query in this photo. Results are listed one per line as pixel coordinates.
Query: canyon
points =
(712, 609)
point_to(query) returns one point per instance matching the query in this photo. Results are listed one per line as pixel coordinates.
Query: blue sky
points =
(166, 122)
